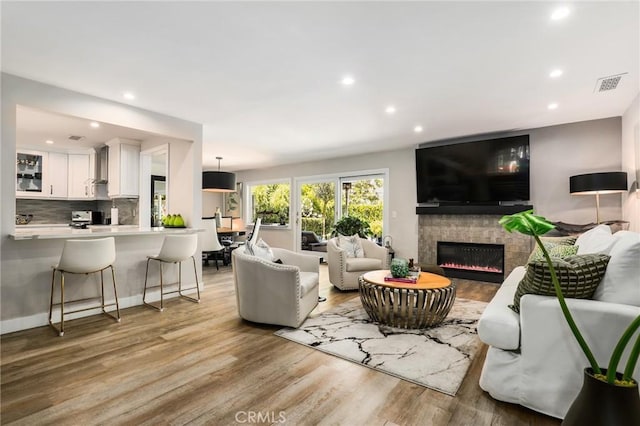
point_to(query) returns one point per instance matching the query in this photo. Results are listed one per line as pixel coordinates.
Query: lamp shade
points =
(598, 183)
(218, 181)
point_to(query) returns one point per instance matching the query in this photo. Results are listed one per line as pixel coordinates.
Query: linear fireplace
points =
(471, 261)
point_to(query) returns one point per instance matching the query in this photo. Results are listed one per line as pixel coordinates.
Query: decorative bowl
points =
(399, 267)
(23, 219)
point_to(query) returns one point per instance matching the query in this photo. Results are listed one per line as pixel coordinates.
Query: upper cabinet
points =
(124, 168)
(31, 173)
(80, 177)
(58, 183)
(56, 175)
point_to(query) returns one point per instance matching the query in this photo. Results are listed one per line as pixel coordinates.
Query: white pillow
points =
(351, 245)
(596, 240)
(621, 281)
(260, 249)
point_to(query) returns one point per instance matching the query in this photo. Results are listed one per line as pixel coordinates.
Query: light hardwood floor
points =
(201, 364)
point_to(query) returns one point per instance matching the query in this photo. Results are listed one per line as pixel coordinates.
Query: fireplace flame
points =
(452, 265)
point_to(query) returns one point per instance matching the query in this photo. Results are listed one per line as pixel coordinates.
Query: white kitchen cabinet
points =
(79, 177)
(57, 175)
(31, 174)
(124, 168)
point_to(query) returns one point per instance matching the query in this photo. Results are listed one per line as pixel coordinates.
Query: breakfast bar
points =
(32, 250)
(32, 232)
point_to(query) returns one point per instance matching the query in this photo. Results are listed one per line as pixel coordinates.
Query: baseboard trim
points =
(41, 319)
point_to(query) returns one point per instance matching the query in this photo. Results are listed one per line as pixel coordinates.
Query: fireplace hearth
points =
(472, 261)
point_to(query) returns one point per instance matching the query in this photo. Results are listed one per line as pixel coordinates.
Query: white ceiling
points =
(264, 77)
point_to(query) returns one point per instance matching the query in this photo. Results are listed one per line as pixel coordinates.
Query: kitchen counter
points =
(45, 232)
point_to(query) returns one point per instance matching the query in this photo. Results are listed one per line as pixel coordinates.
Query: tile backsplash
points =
(59, 211)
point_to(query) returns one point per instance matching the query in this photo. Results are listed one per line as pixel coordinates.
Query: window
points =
(270, 202)
(363, 197)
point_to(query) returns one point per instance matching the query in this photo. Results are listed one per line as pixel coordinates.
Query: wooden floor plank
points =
(202, 364)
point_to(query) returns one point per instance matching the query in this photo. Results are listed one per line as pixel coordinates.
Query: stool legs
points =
(162, 292)
(195, 271)
(144, 293)
(60, 330)
(115, 293)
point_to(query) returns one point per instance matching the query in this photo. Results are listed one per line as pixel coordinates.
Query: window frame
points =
(248, 201)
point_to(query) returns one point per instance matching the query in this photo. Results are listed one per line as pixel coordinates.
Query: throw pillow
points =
(351, 245)
(596, 240)
(260, 249)
(621, 282)
(579, 276)
(556, 246)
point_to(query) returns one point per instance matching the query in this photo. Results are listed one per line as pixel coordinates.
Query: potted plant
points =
(607, 397)
(351, 225)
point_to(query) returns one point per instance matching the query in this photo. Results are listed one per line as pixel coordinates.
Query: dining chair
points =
(210, 243)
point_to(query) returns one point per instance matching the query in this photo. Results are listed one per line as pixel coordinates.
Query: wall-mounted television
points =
(480, 172)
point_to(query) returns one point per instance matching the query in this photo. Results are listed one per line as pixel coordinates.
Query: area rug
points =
(437, 358)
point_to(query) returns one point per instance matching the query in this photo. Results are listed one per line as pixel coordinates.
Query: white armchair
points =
(344, 271)
(273, 293)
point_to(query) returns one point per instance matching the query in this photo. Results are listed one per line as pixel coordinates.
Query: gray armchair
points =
(272, 293)
(344, 271)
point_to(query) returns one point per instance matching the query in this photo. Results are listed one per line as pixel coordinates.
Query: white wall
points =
(557, 152)
(631, 164)
(210, 201)
(25, 266)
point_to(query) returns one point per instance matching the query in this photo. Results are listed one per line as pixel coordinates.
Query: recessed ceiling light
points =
(129, 95)
(553, 106)
(49, 141)
(390, 109)
(560, 13)
(94, 124)
(555, 73)
(347, 80)
(417, 129)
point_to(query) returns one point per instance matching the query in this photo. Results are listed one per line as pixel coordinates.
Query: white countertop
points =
(32, 232)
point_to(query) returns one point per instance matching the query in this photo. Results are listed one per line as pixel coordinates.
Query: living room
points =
(202, 363)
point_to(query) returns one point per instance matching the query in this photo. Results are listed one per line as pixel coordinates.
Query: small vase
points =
(399, 267)
(602, 404)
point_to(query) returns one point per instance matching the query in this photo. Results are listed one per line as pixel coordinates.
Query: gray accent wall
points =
(557, 152)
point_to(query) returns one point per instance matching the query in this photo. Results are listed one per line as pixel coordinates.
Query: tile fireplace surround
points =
(471, 229)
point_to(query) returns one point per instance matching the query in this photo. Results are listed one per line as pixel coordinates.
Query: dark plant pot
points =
(602, 404)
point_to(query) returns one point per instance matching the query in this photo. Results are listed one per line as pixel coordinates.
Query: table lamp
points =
(597, 184)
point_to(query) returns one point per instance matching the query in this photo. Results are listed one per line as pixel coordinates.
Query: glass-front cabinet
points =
(29, 173)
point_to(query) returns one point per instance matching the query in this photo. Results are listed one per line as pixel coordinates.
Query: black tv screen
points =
(481, 172)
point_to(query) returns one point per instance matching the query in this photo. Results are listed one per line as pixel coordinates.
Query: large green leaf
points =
(526, 223)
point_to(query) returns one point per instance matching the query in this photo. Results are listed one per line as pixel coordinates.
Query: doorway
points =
(322, 200)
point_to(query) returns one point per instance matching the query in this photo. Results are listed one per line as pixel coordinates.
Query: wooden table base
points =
(406, 308)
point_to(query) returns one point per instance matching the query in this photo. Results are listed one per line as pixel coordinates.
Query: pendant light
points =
(218, 181)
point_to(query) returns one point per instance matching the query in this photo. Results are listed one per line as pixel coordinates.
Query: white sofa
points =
(533, 359)
(344, 271)
(272, 293)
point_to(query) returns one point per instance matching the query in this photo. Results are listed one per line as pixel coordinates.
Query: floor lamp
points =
(596, 184)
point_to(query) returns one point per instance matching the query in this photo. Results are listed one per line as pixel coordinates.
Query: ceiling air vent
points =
(75, 138)
(605, 84)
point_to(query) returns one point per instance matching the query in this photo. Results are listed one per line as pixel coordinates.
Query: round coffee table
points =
(405, 305)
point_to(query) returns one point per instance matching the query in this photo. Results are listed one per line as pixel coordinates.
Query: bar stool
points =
(84, 257)
(175, 249)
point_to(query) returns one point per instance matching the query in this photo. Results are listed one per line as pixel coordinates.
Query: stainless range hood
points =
(102, 165)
